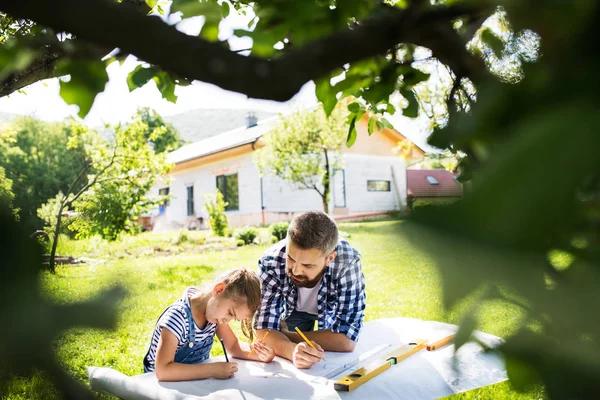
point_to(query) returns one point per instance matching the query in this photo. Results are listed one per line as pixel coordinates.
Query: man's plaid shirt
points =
(341, 297)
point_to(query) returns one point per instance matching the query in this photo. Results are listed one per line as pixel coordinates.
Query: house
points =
(432, 186)
(372, 181)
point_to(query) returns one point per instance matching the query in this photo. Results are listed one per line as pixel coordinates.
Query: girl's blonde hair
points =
(242, 285)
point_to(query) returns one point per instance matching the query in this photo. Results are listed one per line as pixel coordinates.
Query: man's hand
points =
(305, 356)
(283, 326)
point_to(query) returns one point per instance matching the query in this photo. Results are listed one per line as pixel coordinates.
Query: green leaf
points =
(412, 110)
(494, 42)
(360, 114)
(140, 76)
(412, 76)
(522, 374)
(354, 107)
(166, 85)
(390, 109)
(466, 328)
(210, 31)
(225, 9)
(151, 3)
(87, 80)
(379, 125)
(371, 125)
(326, 95)
(351, 133)
(387, 123)
(211, 10)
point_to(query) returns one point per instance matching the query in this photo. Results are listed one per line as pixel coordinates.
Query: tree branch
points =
(109, 24)
(98, 175)
(44, 67)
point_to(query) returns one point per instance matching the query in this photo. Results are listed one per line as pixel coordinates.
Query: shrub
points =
(182, 237)
(247, 235)
(279, 230)
(217, 218)
(239, 243)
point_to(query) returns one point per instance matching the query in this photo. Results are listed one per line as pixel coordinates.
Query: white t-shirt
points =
(307, 299)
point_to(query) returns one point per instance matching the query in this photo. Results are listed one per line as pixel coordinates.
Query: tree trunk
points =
(325, 181)
(55, 239)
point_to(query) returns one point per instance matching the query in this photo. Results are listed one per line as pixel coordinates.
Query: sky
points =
(116, 104)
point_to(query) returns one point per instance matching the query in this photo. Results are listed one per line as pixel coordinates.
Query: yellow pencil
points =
(305, 338)
(264, 337)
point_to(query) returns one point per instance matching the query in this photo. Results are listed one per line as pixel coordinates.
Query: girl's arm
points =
(238, 349)
(168, 370)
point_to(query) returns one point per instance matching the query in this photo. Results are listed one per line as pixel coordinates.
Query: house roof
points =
(222, 141)
(421, 183)
(231, 139)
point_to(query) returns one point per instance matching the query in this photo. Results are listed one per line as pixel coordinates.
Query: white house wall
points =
(205, 183)
(281, 199)
(361, 168)
(281, 196)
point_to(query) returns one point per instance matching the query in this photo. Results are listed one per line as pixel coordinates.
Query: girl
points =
(184, 332)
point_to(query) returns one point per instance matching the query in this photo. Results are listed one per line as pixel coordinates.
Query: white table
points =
(425, 375)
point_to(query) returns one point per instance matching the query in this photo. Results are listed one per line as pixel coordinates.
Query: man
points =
(311, 275)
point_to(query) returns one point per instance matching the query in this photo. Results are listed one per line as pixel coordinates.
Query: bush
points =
(239, 243)
(47, 213)
(182, 237)
(279, 230)
(217, 218)
(247, 235)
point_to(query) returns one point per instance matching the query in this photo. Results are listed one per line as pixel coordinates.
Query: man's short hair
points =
(314, 230)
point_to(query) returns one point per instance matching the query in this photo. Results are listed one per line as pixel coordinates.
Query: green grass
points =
(401, 282)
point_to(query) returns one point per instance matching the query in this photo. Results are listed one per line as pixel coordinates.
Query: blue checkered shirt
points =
(341, 297)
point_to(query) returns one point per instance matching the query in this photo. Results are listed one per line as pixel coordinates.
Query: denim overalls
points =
(191, 352)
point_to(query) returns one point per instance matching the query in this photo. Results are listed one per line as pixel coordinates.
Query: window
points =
(378, 186)
(228, 186)
(431, 180)
(165, 192)
(190, 200)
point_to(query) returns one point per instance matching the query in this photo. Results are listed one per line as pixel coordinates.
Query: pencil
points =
(264, 337)
(224, 350)
(305, 338)
(440, 343)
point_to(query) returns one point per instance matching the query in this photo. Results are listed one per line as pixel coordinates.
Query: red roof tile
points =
(418, 185)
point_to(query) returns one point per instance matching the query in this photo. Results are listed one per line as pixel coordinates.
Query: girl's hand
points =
(224, 370)
(264, 352)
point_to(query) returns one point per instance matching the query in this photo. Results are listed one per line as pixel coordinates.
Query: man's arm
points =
(300, 354)
(329, 341)
(282, 346)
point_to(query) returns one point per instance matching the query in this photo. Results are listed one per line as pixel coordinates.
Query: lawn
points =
(401, 281)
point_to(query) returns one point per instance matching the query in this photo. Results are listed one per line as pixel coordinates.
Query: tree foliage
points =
(303, 148)
(6, 194)
(41, 321)
(40, 160)
(528, 132)
(163, 135)
(125, 169)
(217, 217)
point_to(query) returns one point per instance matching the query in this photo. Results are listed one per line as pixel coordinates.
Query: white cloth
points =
(425, 375)
(307, 299)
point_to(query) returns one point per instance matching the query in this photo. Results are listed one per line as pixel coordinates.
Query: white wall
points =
(361, 168)
(280, 196)
(205, 182)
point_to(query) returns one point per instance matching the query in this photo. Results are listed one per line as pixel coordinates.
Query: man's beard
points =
(303, 281)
